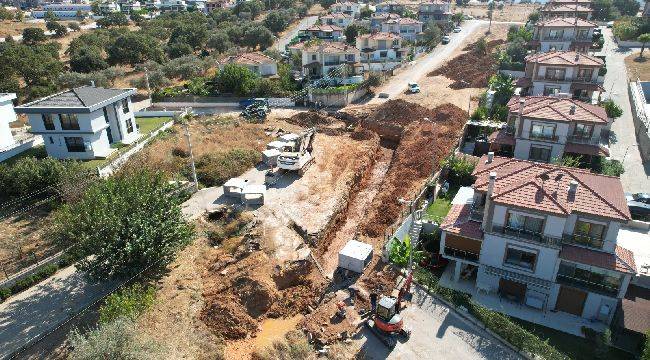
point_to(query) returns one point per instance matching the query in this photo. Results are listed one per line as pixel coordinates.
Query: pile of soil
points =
(391, 118)
(471, 69)
(311, 118)
(225, 317)
(422, 147)
(255, 294)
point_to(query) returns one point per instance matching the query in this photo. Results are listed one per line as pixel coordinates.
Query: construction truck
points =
(386, 323)
(297, 154)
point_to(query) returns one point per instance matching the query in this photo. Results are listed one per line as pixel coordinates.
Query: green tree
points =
(50, 16)
(134, 48)
(136, 17)
(603, 10)
(33, 36)
(257, 36)
(432, 34)
(613, 110)
(5, 14)
(400, 252)
(236, 79)
(326, 3)
(277, 20)
(643, 39)
(351, 33)
(128, 303)
(176, 50)
(365, 12)
(627, 7)
(194, 35)
(87, 59)
(219, 42)
(37, 66)
(20, 16)
(56, 27)
(534, 17)
(124, 225)
(74, 26)
(113, 19)
(457, 18)
(567, 160)
(645, 355)
(248, 9)
(503, 87)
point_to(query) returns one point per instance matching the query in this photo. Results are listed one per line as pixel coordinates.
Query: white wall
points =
(7, 115)
(493, 254)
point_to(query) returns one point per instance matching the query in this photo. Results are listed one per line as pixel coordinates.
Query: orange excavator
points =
(386, 322)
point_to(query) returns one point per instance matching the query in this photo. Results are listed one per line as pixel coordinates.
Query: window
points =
(555, 74)
(105, 114)
(313, 57)
(583, 131)
(585, 74)
(125, 105)
(75, 144)
(520, 258)
(590, 234)
(540, 153)
(526, 223)
(129, 126)
(583, 34)
(48, 122)
(349, 57)
(550, 90)
(555, 34)
(51, 140)
(542, 131)
(383, 54)
(69, 122)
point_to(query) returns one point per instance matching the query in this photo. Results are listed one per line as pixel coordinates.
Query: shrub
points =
(215, 169)
(613, 110)
(128, 303)
(645, 355)
(460, 170)
(401, 250)
(29, 281)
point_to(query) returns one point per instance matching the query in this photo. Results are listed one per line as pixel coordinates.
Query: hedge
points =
(497, 322)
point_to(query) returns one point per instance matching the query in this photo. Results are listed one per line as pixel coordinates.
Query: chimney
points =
(487, 210)
(573, 187)
(493, 179)
(92, 83)
(490, 157)
(520, 113)
(577, 56)
(572, 110)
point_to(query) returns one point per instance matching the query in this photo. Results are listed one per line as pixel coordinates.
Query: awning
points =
(585, 149)
(514, 276)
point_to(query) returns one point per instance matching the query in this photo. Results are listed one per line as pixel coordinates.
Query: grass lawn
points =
(149, 124)
(573, 346)
(438, 209)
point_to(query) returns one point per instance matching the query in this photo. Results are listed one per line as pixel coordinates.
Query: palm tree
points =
(643, 39)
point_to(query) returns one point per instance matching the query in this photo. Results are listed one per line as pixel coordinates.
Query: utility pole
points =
(189, 145)
(146, 80)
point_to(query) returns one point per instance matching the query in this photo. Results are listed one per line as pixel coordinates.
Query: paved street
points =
(283, 41)
(437, 333)
(623, 144)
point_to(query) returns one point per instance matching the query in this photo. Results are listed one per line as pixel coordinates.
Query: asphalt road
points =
(283, 41)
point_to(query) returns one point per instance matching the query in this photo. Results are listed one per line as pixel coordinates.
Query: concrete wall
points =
(641, 125)
(18, 148)
(339, 99)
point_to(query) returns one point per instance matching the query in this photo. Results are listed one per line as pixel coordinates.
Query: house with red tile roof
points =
(562, 72)
(255, 61)
(381, 50)
(336, 61)
(570, 33)
(323, 32)
(437, 11)
(543, 128)
(346, 7)
(338, 19)
(409, 29)
(541, 236)
(566, 10)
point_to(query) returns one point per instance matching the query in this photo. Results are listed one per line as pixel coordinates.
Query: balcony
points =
(527, 235)
(582, 240)
(584, 284)
(476, 213)
(461, 254)
(333, 63)
(581, 139)
(545, 137)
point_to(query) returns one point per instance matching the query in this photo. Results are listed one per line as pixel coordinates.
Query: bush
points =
(401, 250)
(480, 113)
(613, 110)
(216, 169)
(645, 355)
(460, 170)
(236, 79)
(29, 281)
(127, 303)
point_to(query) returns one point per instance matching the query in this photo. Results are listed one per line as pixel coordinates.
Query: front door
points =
(571, 300)
(512, 290)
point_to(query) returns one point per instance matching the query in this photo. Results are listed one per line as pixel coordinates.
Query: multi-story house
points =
(390, 7)
(573, 34)
(82, 123)
(347, 7)
(377, 19)
(128, 7)
(62, 11)
(562, 72)
(212, 5)
(173, 5)
(566, 10)
(7, 115)
(407, 28)
(323, 32)
(256, 62)
(438, 11)
(336, 61)
(381, 51)
(338, 19)
(542, 236)
(542, 128)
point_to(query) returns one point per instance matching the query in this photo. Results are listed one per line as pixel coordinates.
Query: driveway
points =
(623, 147)
(437, 333)
(285, 39)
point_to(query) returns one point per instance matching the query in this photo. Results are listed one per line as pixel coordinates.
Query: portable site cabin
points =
(355, 256)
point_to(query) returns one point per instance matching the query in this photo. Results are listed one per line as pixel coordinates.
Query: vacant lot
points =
(515, 12)
(638, 68)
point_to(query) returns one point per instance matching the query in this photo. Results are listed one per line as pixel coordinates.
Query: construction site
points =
(267, 260)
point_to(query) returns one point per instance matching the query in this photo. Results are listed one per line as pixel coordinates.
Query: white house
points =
(324, 32)
(407, 28)
(438, 11)
(84, 122)
(334, 60)
(173, 5)
(563, 34)
(347, 7)
(7, 115)
(390, 7)
(338, 19)
(541, 237)
(381, 51)
(62, 10)
(255, 61)
(552, 11)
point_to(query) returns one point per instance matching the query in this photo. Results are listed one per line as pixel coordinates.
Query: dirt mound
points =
(293, 274)
(256, 295)
(472, 69)
(362, 135)
(311, 118)
(390, 118)
(226, 318)
(424, 144)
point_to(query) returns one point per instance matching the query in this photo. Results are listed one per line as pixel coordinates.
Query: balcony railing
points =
(527, 235)
(333, 63)
(461, 254)
(579, 139)
(588, 285)
(579, 79)
(584, 240)
(537, 136)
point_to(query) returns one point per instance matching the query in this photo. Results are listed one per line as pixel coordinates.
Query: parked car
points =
(446, 39)
(414, 88)
(639, 205)
(610, 24)
(457, 29)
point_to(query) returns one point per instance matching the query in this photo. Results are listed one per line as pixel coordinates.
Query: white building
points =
(347, 7)
(336, 61)
(381, 51)
(173, 5)
(338, 19)
(543, 237)
(437, 11)
(257, 62)
(409, 29)
(563, 34)
(324, 32)
(390, 7)
(62, 11)
(543, 128)
(84, 122)
(7, 115)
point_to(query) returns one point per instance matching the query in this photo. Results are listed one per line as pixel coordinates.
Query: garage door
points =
(512, 290)
(571, 300)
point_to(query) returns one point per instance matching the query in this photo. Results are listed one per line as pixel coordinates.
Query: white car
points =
(457, 29)
(414, 88)
(446, 39)
(610, 24)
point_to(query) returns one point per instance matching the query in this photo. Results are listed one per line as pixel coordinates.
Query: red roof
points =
(622, 260)
(326, 28)
(570, 58)
(501, 137)
(586, 149)
(566, 22)
(544, 187)
(559, 109)
(458, 222)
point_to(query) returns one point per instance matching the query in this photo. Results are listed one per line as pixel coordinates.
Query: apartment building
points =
(543, 237)
(566, 10)
(62, 11)
(256, 62)
(336, 61)
(323, 32)
(557, 34)
(338, 19)
(409, 29)
(173, 5)
(562, 72)
(381, 51)
(377, 19)
(347, 7)
(390, 7)
(84, 122)
(438, 11)
(542, 128)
